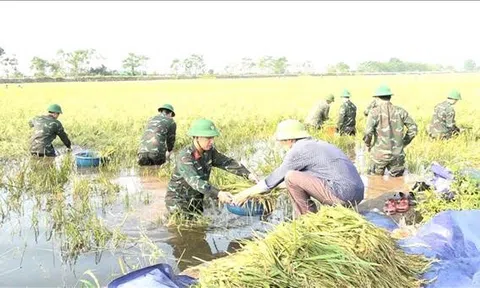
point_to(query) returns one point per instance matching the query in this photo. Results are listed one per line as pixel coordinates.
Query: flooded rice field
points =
(61, 224)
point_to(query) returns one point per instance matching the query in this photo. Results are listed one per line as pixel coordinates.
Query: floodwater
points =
(30, 261)
(22, 253)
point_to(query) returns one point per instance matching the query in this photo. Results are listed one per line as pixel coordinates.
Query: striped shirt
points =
(324, 161)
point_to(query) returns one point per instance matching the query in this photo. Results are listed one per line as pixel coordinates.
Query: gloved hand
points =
(168, 155)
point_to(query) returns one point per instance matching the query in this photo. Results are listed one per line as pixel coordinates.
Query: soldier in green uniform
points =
(320, 112)
(45, 130)
(159, 138)
(443, 124)
(384, 134)
(346, 118)
(189, 184)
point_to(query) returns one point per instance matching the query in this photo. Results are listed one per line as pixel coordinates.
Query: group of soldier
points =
(384, 134)
(311, 168)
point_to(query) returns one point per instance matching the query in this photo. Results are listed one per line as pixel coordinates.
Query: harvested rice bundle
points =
(267, 200)
(333, 248)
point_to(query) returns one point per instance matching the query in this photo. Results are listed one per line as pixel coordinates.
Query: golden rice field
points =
(100, 115)
(111, 116)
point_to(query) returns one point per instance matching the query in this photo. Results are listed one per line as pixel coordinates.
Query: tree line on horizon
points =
(84, 62)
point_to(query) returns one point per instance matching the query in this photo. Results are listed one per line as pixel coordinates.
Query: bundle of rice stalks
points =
(333, 248)
(267, 200)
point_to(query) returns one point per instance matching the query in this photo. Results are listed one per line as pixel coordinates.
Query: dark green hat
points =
(203, 128)
(167, 107)
(55, 108)
(346, 94)
(454, 94)
(383, 91)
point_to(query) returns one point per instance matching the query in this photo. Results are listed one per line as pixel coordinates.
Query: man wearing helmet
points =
(159, 138)
(384, 135)
(45, 130)
(320, 112)
(189, 183)
(443, 124)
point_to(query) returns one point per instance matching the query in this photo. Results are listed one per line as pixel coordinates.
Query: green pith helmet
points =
(383, 91)
(346, 94)
(167, 107)
(203, 128)
(290, 129)
(55, 108)
(330, 97)
(454, 94)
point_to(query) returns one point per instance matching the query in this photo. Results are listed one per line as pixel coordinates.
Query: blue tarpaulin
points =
(156, 276)
(453, 237)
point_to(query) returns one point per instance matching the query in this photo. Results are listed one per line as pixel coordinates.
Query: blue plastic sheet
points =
(453, 237)
(156, 276)
(442, 179)
(380, 220)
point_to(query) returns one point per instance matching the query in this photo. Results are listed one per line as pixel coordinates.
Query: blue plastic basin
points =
(250, 208)
(87, 159)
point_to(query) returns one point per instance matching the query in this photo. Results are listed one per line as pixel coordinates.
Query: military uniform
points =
(385, 124)
(346, 118)
(318, 115)
(189, 183)
(158, 138)
(443, 124)
(369, 107)
(45, 130)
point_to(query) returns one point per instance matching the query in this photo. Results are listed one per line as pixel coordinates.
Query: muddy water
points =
(21, 253)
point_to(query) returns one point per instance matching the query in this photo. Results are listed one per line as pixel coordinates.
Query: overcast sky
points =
(224, 32)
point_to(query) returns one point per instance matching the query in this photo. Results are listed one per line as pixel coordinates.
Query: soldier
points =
(159, 138)
(189, 184)
(45, 130)
(346, 119)
(319, 114)
(311, 169)
(443, 122)
(385, 125)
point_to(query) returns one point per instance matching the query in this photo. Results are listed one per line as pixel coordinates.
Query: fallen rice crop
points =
(334, 248)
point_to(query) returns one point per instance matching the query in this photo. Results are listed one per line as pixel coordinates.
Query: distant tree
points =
(10, 65)
(280, 65)
(1, 52)
(176, 66)
(101, 70)
(79, 61)
(194, 65)
(265, 64)
(470, 65)
(247, 65)
(132, 62)
(39, 66)
(342, 67)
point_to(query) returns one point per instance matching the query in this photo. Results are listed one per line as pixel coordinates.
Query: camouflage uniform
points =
(443, 122)
(369, 107)
(190, 180)
(318, 115)
(346, 119)
(158, 138)
(46, 128)
(385, 125)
